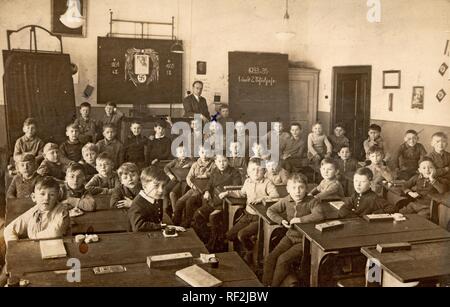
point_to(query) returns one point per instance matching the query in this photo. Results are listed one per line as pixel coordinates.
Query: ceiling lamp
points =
(177, 47)
(285, 33)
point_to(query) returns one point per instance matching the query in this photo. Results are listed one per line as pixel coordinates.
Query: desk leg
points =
(317, 256)
(434, 212)
(260, 242)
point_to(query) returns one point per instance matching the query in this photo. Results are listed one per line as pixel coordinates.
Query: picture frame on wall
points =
(418, 95)
(391, 79)
(69, 17)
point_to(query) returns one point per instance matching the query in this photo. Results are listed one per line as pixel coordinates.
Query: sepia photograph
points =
(241, 144)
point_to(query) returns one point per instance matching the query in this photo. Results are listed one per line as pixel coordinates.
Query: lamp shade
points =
(177, 47)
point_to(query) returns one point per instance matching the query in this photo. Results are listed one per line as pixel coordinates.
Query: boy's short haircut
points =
(297, 124)
(256, 161)
(152, 174)
(328, 161)
(110, 103)
(104, 157)
(197, 81)
(85, 105)
(364, 171)
(75, 167)
(160, 123)
(426, 159)
(339, 125)
(375, 127)
(439, 134)
(106, 126)
(411, 131)
(50, 146)
(135, 122)
(127, 168)
(72, 126)
(47, 182)
(375, 149)
(89, 147)
(29, 121)
(27, 157)
(297, 177)
(343, 146)
(224, 106)
(220, 154)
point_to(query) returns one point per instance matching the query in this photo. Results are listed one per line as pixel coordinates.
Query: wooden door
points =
(303, 97)
(351, 104)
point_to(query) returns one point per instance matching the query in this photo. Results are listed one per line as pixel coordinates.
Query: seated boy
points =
(172, 190)
(71, 148)
(346, 166)
(364, 200)
(123, 195)
(236, 160)
(52, 165)
(222, 175)
(374, 139)
(295, 208)
(276, 174)
(380, 171)
(292, 151)
(408, 155)
(440, 157)
(74, 192)
(329, 187)
(146, 211)
(159, 146)
(192, 199)
(135, 145)
(22, 185)
(113, 116)
(256, 188)
(283, 136)
(86, 125)
(418, 188)
(224, 116)
(106, 180)
(111, 145)
(89, 152)
(47, 219)
(29, 142)
(338, 139)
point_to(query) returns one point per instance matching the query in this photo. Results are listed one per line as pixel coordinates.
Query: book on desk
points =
(198, 277)
(51, 249)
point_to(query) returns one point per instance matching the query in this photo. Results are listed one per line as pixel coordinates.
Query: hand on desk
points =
(207, 195)
(285, 224)
(154, 161)
(124, 203)
(223, 195)
(256, 201)
(295, 220)
(413, 194)
(172, 177)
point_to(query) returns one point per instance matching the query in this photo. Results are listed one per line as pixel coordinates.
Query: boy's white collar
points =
(146, 197)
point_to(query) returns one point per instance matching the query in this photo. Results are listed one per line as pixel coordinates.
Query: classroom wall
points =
(410, 38)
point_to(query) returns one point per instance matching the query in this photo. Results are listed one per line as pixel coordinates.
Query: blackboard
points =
(258, 86)
(138, 71)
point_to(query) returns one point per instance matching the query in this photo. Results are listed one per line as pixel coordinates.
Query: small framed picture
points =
(443, 68)
(441, 95)
(418, 95)
(69, 17)
(201, 68)
(141, 64)
(391, 79)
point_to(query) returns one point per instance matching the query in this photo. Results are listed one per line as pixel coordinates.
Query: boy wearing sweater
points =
(276, 174)
(22, 185)
(192, 199)
(29, 142)
(364, 200)
(123, 195)
(329, 187)
(440, 157)
(146, 211)
(71, 148)
(89, 152)
(111, 145)
(418, 188)
(408, 155)
(256, 189)
(294, 208)
(52, 165)
(106, 180)
(135, 145)
(74, 192)
(380, 171)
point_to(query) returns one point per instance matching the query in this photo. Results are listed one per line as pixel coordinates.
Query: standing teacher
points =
(195, 103)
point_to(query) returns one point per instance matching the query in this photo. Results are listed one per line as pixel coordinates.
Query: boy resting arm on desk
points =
(295, 208)
(47, 219)
(74, 192)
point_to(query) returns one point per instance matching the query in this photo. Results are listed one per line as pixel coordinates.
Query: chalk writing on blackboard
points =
(257, 75)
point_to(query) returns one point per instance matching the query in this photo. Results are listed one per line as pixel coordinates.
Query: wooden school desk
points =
(427, 260)
(358, 233)
(232, 271)
(24, 256)
(440, 209)
(266, 226)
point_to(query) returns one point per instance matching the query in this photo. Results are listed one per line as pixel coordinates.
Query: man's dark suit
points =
(192, 106)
